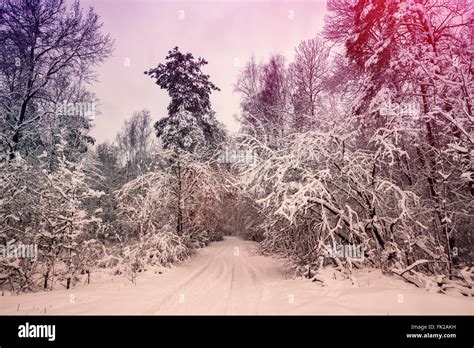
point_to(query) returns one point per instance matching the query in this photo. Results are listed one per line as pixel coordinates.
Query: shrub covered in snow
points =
(48, 208)
(172, 211)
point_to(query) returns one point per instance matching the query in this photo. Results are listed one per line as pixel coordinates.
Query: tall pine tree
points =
(190, 123)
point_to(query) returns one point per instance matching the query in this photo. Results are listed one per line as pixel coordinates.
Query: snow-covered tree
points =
(50, 209)
(414, 56)
(135, 143)
(190, 122)
(266, 107)
(48, 48)
(307, 75)
(169, 214)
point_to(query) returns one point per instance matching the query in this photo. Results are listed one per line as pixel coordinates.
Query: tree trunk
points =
(179, 226)
(46, 280)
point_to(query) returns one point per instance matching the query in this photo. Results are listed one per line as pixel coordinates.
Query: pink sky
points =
(225, 33)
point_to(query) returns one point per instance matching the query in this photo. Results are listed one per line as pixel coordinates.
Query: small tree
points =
(135, 141)
(50, 209)
(307, 74)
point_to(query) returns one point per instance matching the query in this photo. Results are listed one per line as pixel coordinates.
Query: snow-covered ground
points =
(229, 277)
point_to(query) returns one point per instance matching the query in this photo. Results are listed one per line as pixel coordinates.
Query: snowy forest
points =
(364, 137)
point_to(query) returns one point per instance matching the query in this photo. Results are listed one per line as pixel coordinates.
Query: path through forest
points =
(230, 277)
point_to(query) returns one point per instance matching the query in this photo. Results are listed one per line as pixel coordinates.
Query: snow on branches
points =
(172, 210)
(319, 190)
(48, 209)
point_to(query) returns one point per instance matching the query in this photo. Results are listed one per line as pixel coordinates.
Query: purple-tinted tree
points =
(46, 46)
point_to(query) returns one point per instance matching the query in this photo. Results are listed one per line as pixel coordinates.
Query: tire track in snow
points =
(176, 289)
(219, 282)
(229, 297)
(253, 276)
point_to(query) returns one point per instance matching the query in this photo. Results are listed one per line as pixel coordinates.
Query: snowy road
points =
(229, 277)
(226, 278)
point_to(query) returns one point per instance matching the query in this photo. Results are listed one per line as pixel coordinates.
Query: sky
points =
(225, 33)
